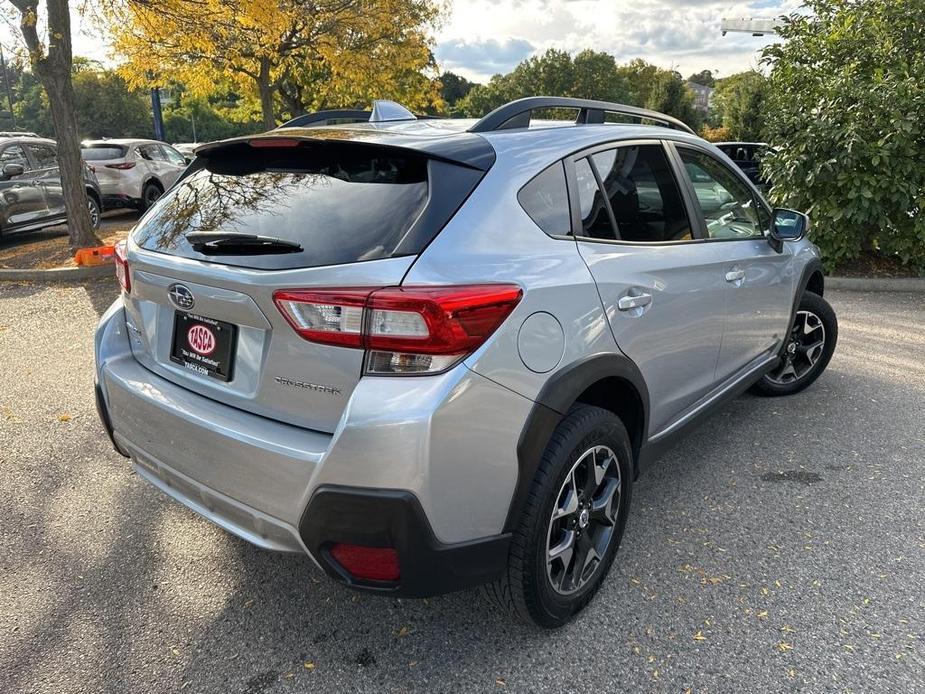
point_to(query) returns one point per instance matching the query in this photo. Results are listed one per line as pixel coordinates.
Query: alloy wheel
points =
(94, 211)
(583, 520)
(805, 346)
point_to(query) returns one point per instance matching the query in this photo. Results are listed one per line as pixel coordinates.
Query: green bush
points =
(846, 112)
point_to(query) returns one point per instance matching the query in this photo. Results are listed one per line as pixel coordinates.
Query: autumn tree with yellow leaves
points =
(295, 56)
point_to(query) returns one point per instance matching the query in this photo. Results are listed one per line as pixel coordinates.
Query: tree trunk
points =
(266, 94)
(53, 68)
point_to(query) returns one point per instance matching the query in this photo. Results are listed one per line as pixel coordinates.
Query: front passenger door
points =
(22, 200)
(758, 279)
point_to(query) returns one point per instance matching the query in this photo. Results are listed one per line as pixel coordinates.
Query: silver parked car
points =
(433, 354)
(133, 173)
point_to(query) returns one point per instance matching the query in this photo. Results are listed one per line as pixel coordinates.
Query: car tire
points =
(149, 194)
(538, 585)
(807, 351)
(95, 212)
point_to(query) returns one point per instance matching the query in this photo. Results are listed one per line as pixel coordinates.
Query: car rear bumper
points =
(414, 464)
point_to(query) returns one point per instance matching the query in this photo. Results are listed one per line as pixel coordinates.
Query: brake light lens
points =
(370, 563)
(405, 330)
(273, 142)
(122, 165)
(121, 259)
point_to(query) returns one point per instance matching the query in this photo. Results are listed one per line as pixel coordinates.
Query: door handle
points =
(628, 303)
(735, 275)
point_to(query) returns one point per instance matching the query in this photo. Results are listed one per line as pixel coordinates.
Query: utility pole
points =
(6, 84)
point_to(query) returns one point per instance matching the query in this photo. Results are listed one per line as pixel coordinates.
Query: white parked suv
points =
(133, 173)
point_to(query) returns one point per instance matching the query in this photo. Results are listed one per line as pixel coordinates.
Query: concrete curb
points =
(866, 284)
(64, 274)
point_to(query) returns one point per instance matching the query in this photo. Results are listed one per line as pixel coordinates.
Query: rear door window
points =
(45, 156)
(545, 199)
(342, 202)
(644, 197)
(151, 152)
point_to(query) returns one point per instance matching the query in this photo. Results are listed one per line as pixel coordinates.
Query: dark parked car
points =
(31, 196)
(747, 156)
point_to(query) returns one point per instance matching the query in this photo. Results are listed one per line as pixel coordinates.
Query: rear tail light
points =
(121, 165)
(371, 563)
(405, 330)
(122, 266)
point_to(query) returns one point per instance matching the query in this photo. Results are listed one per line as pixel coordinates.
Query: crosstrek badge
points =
(201, 339)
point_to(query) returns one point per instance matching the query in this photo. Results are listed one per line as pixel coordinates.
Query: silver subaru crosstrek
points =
(433, 354)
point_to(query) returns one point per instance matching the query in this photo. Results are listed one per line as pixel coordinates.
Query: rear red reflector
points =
(370, 563)
(121, 258)
(274, 142)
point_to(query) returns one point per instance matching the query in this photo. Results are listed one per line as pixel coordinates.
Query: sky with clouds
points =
(480, 38)
(485, 37)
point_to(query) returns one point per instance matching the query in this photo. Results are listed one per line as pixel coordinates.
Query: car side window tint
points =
(14, 154)
(644, 196)
(727, 204)
(595, 219)
(45, 156)
(545, 199)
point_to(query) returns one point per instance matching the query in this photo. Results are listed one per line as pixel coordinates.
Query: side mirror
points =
(787, 225)
(11, 170)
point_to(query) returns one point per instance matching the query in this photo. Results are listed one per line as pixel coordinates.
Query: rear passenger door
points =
(663, 298)
(758, 278)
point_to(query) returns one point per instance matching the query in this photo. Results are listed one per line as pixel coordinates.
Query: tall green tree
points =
(51, 58)
(587, 75)
(739, 104)
(846, 105)
(453, 89)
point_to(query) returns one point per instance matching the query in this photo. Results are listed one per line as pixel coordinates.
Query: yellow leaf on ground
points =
(784, 646)
(763, 614)
(64, 417)
(309, 665)
(699, 636)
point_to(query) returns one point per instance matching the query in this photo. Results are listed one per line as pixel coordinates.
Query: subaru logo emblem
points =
(181, 297)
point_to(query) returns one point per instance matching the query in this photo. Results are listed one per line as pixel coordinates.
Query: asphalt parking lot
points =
(781, 547)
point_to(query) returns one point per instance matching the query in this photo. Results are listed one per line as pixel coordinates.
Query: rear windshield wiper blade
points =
(230, 243)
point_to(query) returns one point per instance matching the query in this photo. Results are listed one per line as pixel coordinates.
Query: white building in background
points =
(703, 95)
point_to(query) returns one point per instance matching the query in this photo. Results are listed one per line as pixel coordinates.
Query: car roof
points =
(451, 138)
(741, 144)
(27, 139)
(124, 142)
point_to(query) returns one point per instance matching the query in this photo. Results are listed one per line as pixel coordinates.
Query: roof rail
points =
(516, 114)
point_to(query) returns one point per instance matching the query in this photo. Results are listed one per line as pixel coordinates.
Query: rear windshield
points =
(100, 152)
(343, 203)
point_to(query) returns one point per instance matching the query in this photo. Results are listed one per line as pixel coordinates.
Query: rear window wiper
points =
(231, 243)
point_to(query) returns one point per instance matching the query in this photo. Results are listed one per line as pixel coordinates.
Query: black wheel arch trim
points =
(559, 393)
(812, 269)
